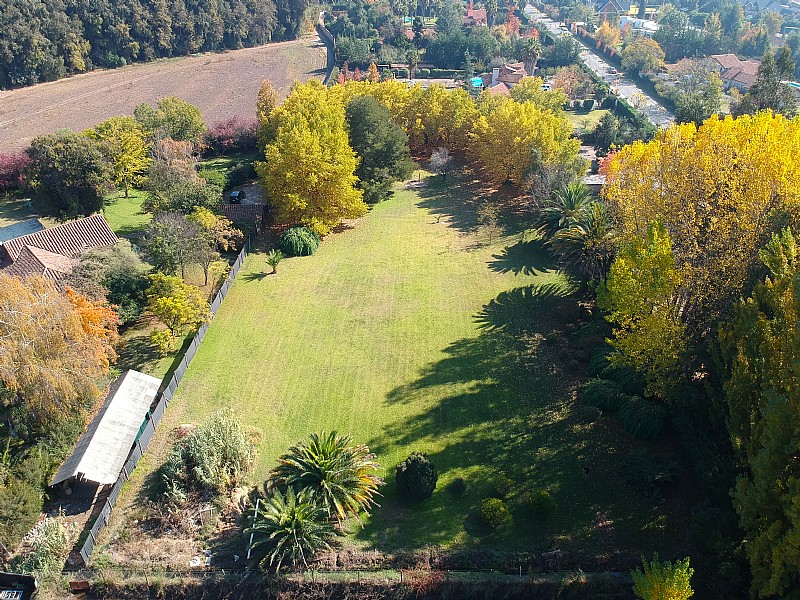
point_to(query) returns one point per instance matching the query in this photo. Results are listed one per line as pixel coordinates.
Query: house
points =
(502, 79)
(641, 27)
(475, 16)
(54, 252)
(611, 10)
(735, 73)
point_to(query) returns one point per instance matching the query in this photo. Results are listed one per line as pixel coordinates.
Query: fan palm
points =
(291, 526)
(337, 474)
(588, 246)
(569, 207)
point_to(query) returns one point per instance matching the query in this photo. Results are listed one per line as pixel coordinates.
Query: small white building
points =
(643, 27)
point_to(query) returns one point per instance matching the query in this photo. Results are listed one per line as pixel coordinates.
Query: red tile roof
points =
(254, 213)
(35, 261)
(69, 239)
(476, 16)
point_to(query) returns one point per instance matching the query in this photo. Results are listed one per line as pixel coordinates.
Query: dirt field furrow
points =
(221, 85)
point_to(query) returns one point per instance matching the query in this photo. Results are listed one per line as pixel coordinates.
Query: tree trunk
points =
(126, 189)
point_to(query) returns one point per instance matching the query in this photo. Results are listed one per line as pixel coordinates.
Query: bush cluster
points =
(648, 471)
(642, 418)
(605, 395)
(494, 512)
(540, 502)
(501, 485)
(416, 477)
(298, 241)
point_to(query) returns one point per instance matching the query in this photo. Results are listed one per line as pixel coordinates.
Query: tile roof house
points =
(502, 79)
(735, 73)
(475, 16)
(54, 252)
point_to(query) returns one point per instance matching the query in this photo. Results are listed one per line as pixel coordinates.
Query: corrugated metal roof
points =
(104, 447)
(69, 239)
(9, 232)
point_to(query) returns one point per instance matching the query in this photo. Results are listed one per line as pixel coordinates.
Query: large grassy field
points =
(409, 332)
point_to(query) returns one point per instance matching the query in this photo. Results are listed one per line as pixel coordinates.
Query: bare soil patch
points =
(221, 85)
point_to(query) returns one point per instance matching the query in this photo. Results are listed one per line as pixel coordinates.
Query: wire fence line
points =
(155, 414)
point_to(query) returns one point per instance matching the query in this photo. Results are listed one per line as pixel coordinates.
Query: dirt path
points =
(221, 85)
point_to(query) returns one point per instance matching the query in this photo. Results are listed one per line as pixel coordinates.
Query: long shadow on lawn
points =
(503, 402)
(525, 257)
(458, 198)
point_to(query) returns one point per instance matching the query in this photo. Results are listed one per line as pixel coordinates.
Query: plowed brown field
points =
(221, 85)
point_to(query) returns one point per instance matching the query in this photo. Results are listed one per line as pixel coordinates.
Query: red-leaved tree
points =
(12, 167)
(235, 134)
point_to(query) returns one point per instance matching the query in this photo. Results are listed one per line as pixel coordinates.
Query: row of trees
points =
(328, 150)
(46, 41)
(703, 217)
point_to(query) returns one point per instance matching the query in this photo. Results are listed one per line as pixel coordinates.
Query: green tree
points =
(643, 54)
(290, 527)
(178, 305)
(172, 118)
(568, 207)
(529, 89)
(310, 167)
(700, 97)
(170, 241)
(69, 174)
(382, 146)
(663, 580)
(125, 144)
(587, 246)
(638, 298)
(768, 91)
(337, 474)
(761, 353)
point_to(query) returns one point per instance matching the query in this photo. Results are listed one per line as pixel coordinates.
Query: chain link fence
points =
(154, 416)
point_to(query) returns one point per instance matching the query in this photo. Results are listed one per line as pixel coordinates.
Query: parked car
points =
(612, 71)
(237, 197)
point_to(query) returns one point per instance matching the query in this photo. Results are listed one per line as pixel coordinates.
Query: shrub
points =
(218, 179)
(424, 72)
(501, 485)
(235, 134)
(642, 418)
(241, 174)
(20, 507)
(588, 414)
(649, 472)
(494, 512)
(588, 104)
(663, 580)
(416, 477)
(605, 395)
(274, 257)
(12, 167)
(540, 502)
(629, 379)
(49, 543)
(458, 487)
(298, 241)
(213, 457)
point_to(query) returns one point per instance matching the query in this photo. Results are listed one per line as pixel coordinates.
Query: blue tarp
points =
(477, 82)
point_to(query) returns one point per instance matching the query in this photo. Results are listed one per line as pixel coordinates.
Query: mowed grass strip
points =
(410, 332)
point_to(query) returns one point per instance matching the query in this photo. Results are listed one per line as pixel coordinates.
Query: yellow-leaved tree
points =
(126, 147)
(517, 139)
(309, 170)
(719, 190)
(54, 348)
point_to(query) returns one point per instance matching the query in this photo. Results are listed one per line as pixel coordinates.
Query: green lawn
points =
(125, 215)
(409, 332)
(583, 118)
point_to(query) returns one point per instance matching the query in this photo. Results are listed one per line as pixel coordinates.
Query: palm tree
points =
(336, 474)
(569, 207)
(588, 246)
(291, 526)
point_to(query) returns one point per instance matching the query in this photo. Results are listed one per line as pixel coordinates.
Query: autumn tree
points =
(529, 89)
(172, 118)
(638, 298)
(180, 306)
(719, 190)
(54, 348)
(608, 34)
(517, 139)
(309, 170)
(761, 353)
(643, 54)
(69, 174)
(216, 233)
(381, 145)
(173, 183)
(267, 102)
(124, 142)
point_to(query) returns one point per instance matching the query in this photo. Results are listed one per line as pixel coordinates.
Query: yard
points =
(410, 332)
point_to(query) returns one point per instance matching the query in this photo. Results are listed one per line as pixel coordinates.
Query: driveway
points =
(622, 86)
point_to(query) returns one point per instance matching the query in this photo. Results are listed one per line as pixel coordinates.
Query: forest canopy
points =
(46, 40)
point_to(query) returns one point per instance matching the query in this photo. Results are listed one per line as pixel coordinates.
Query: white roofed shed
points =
(104, 447)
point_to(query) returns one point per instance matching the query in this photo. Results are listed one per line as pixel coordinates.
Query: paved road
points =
(620, 85)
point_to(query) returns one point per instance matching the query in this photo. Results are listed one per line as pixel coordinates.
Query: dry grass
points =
(221, 85)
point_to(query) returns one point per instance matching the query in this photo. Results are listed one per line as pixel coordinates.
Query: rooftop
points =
(19, 229)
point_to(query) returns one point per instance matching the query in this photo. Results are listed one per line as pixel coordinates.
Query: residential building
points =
(502, 79)
(734, 72)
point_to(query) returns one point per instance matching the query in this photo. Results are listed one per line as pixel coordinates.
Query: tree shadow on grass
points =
(504, 402)
(525, 257)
